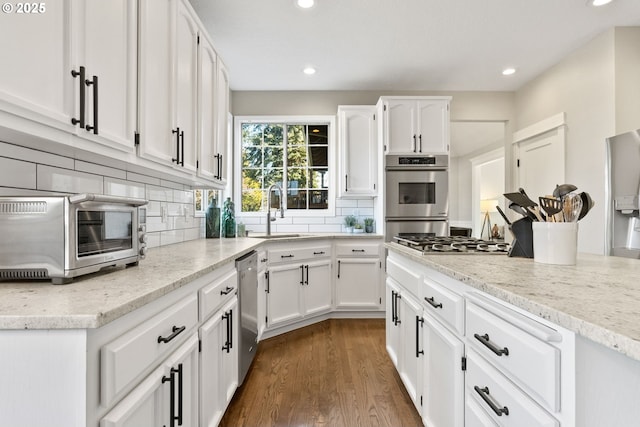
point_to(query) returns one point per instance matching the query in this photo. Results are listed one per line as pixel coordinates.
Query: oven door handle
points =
(416, 218)
(103, 198)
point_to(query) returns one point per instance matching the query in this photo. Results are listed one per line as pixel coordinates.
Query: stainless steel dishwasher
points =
(247, 267)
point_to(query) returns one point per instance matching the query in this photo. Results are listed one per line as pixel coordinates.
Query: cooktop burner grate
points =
(427, 243)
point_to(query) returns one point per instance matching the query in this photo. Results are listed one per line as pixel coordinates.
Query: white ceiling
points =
(384, 45)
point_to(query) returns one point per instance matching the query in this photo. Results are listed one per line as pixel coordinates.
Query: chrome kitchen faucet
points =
(269, 217)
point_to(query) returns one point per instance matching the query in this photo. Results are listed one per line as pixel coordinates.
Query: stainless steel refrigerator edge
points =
(247, 267)
(622, 231)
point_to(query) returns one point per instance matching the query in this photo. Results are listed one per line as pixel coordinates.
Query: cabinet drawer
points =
(405, 277)
(530, 362)
(357, 249)
(126, 357)
(217, 293)
(496, 394)
(298, 254)
(444, 304)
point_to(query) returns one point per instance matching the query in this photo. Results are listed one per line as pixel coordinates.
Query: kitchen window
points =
(293, 152)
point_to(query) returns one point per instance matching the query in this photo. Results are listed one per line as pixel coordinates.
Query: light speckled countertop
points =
(598, 298)
(94, 300)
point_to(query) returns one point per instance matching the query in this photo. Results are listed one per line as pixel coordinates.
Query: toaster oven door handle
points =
(91, 197)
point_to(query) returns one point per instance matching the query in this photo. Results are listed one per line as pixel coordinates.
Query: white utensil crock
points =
(555, 242)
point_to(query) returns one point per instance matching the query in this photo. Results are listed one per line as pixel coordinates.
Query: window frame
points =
(332, 166)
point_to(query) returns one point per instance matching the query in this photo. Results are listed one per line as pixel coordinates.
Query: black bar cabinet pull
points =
(286, 256)
(433, 303)
(306, 281)
(182, 148)
(484, 393)
(227, 345)
(217, 157)
(415, 146)
(179, 372)
(93, 82)
(339, 270)
(219, 166)
(484, 339)
(393, 307)
(80, 74)
(346, 183)
(419, 322)
(176, 131)
(398, 321)
(172, 397)
(420, 139)
(175, 332)
(357, 250)
(266, 275)
(230, 329)
(319, 253)
(227, 290)
(302, 275)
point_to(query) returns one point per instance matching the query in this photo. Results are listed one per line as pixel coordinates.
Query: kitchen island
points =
(595, 303)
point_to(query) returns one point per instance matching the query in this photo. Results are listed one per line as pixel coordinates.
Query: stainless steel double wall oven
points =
(416, 194)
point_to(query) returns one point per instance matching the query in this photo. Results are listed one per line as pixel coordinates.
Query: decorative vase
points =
(228, 219)
(368, 228)
(212, 220)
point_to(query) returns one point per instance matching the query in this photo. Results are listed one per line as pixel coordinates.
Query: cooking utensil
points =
(551, 206)
(563, 189)
(572, 205)
(503, 215)
(587, 204)
(525, 202)
(519, 209)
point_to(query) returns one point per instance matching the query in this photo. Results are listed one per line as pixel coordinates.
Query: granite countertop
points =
(96, 299)
(598, 298)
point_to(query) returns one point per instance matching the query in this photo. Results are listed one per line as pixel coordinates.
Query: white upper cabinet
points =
(222, 120)
(73, 68)
(358, 150)
(415, 125)
(108, 43)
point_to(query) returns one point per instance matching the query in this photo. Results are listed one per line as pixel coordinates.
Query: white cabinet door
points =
(183, 366)
(358, 283)
(186, 68)
(392, 327)
(155, 80)
(401, 126)
(108, 50)
(433, 127)
(208, 162)
(412, 353)
(149, 404)
(358, 148)
(222, 120)
(443, 387)
(284, 288)
(218, 363)
(317, 287)
(36, 80)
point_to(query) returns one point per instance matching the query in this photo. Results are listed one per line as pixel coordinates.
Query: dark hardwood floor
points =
(333, 373)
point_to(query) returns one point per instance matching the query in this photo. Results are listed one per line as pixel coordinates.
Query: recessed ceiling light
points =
(599, 2)
(508, 71)
(305, 4)
(309, 70)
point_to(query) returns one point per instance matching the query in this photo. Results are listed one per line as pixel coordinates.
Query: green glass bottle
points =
(228, 219)
(212, 220)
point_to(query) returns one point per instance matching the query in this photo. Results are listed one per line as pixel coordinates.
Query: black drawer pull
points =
(484, 339)
(226, 291)
(484, 393)
(176, 331)
(93, 82)
(433, 303)
(357, 250)
(286, 256)
(319, 253)
(82, 94)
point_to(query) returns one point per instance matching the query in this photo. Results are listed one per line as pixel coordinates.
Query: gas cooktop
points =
(427, 243)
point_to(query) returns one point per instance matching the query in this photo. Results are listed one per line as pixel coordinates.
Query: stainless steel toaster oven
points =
(62, 237)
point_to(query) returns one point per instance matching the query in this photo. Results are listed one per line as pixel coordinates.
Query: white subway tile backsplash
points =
(55, 179)
(35, 156)
(99, 169)
(308, 220)
(290, 228)
(16, 173)
(183, 196)
(161, 194)
(153, 240)
(171, 184)
(325, 228)
(346, 203)
(145, 179)
(365, 203)
(155, 223)
(119, 187)
(171, 236)
(191, 234)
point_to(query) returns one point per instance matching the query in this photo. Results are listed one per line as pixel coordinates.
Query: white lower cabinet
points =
(218, 363)
(358, 284)
(168, 396)
(412, 354)
(392, 327)
(443, 379)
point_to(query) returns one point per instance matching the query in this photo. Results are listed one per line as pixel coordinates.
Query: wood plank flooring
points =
(334, 373)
